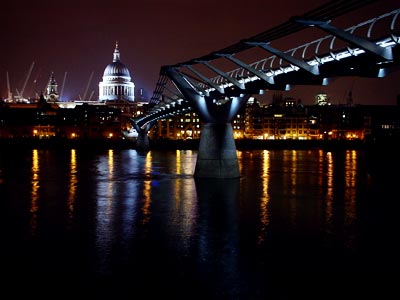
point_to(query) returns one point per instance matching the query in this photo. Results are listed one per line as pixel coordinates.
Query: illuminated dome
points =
(116, 68)
(116, 84)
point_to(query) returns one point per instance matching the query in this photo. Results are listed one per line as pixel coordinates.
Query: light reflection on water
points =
(329, 188)
(264, 202)
(73, 181)
(309, 191)
(126, 213)
(35, 191)
(106, 205)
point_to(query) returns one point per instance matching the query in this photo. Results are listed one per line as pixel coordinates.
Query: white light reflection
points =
(185, 162)
(104, 217)
(130, 194)
(185, 211)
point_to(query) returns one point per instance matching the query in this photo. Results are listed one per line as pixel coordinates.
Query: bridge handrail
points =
(241, 72)
(273, 65)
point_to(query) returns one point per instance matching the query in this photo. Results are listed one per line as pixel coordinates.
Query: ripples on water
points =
(116, 223)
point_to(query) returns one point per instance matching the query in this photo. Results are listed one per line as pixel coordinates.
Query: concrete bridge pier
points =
(216, 157)
(142, 142)
(217, 152)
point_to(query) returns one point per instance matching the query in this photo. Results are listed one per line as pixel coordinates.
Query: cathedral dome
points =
(116, 84)
(116, 68)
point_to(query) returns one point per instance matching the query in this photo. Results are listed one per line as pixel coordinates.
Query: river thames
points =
(116, 224)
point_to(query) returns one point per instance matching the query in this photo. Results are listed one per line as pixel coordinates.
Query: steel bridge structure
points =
(218, 84)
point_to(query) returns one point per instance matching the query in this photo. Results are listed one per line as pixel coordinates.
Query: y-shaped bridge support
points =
(217, 151)
(142, 142)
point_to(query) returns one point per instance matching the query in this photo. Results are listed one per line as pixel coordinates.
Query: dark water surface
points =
(115, 224)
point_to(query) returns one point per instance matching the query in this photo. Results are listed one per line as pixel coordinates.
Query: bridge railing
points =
(321, 50)
(167, 100)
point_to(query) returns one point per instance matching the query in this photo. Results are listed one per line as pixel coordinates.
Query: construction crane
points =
(91, 95)
(9, 98)
(87, 87)
(20, 97)
(62, 87)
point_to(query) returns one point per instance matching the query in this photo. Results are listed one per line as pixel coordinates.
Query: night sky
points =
(78, 37)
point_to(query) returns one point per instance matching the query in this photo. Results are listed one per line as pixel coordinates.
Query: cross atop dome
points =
(116, 53)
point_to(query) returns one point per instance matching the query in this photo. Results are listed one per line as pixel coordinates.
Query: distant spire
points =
(116, 52)
(52, 80)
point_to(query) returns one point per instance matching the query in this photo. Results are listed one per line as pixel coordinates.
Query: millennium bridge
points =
(218, 84)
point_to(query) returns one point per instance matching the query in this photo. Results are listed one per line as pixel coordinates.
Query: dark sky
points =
(78, 38)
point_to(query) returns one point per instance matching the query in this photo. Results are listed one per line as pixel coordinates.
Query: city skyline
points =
(76, 40)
